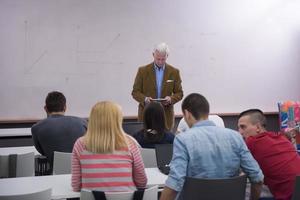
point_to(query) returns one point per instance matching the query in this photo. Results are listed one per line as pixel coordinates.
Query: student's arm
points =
(168, 194)
(76, 167)
(178, 169)
(139, 174)
(251, 168)
(36, 142)
(255, 191)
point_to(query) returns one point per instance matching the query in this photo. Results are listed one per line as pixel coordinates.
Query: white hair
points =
(162, 48)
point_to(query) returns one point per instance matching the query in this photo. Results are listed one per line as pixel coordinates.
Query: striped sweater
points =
(122, 170)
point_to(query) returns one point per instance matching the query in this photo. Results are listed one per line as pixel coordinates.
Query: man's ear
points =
(184, 112)
(187, 114)
(258, 128)
(65, 108)
(189, 118)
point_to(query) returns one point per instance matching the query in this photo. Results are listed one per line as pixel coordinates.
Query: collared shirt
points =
(159, 73)
(208, 151)
(278, 160)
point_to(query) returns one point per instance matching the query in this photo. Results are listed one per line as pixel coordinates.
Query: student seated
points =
(275, 154)
(106, 158)
(208, 151)
(57, 132)
(154, 131)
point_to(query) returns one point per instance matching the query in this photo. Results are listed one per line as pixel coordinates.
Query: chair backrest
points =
(149, 194)
(17, 165)
(149, 157)
(217, 120)
(183, 126)
(164, 153)
(88, 195)
(4, 166)
(40, 195)
(25, 165)
(296, 194)
(132, 127)
(211, 189)
(62, 163)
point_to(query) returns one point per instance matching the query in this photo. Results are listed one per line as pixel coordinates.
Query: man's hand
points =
(255, 190)
(148, 100)
(167, 101)
(168, 194)
(291, 133)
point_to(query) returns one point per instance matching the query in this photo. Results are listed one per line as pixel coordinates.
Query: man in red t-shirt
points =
(275, 154)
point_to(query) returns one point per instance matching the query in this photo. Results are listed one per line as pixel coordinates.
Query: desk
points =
(10, 132)
(18, 150)
(61, 184)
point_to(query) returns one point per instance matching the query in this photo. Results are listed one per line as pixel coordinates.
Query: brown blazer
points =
(145, 86)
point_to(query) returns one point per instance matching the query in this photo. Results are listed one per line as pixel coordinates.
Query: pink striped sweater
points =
(122, 170)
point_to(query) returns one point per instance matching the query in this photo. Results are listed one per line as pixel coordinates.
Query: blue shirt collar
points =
(157, 67)
(204, 123)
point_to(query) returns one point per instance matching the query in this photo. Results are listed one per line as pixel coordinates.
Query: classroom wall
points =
(239, 54)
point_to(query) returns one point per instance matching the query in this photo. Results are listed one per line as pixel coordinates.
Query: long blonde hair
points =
(105, 133)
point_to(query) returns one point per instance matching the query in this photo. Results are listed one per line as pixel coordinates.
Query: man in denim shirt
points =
(208, 151)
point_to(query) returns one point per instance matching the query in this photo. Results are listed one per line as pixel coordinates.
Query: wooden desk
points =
(61, 184)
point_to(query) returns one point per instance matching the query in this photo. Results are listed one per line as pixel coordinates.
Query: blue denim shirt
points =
(208, 151)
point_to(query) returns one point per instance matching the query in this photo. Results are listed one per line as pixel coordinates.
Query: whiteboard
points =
(239, 54)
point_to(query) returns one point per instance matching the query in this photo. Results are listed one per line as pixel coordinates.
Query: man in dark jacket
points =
(57, 132)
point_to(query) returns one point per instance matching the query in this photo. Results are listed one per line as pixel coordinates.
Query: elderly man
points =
(208, 151)
(158, 81)
(275, 154)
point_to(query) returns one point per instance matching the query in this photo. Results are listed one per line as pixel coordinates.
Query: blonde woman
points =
(105, 158)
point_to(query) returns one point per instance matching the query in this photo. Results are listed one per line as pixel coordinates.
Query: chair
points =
(62, 162)
(182, 125)
(40, 195)
(296, 194)
(149, 157)
(17, 165)
(132, 127)
(149, 194)
(211, 189)
(217, 120)
(42, 166)
(164, 153)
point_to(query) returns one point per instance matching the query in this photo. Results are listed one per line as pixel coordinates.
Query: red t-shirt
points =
(279, 161)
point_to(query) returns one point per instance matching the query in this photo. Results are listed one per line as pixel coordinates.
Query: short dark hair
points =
(55, 102)
(256, 116)
(154, 120)
(196, 104)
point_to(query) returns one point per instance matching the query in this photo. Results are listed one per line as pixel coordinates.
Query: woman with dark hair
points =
(154, 131)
